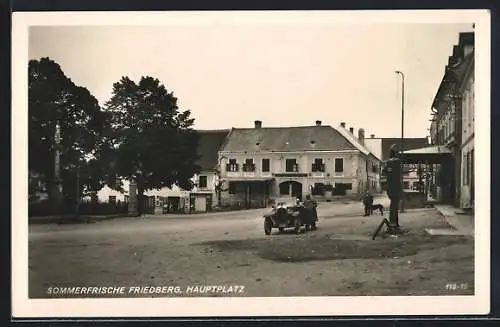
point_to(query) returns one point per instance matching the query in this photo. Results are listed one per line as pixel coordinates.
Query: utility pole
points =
(401, 141)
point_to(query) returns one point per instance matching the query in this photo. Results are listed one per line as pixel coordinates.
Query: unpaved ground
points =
(231, 249)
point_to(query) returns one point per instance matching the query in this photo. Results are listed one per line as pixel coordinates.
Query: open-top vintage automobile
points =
(287, 213)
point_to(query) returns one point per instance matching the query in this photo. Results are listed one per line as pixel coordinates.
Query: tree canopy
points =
(55, 99)
(153, 140)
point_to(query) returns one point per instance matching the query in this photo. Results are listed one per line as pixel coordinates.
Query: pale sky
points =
(229, 75)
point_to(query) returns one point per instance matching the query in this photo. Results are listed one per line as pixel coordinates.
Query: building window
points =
(232, 165)
(374, 168)
(318, 166)
(348, 186)
(318, 189)
(339, 165)
(202, 182)
(248, 166)
(266, 167)
(112, 199)
(291, 165)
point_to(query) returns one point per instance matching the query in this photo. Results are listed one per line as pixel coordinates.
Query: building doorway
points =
(291, 188)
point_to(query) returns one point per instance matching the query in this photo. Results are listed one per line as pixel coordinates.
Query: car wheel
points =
(308, 228)
(313, 226)
(268, 226)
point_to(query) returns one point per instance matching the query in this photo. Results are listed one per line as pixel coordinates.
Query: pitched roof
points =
(285, 139)
(409, 144)
(354, 140)
(209, 144)
(461, 71)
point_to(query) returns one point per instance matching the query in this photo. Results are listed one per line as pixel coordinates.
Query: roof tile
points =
(284, 139)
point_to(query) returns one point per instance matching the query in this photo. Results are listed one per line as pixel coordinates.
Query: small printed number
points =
(457, 286)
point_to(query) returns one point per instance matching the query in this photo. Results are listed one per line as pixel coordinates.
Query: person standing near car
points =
(310, 204)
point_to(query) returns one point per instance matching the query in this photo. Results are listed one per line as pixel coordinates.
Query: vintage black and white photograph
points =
(251, 156)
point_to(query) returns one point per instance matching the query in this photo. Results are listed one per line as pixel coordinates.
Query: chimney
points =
(351, 129)
(466, 42)
(258, 124)
(457, 54)
(318, 122)
(342, 124)
(372, 136)
(361, 136)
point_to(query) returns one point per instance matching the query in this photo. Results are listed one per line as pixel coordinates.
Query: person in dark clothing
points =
(394, 187)
(310, 204)
(368, 202)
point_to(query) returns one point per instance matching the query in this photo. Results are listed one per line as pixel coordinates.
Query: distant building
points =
(381, 147)
(261, 163)
(199, 199)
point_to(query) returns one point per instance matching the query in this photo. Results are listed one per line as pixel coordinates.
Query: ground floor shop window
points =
(318, 189)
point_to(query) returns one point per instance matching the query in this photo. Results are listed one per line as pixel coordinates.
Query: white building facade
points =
(467, 147)
(259, 164)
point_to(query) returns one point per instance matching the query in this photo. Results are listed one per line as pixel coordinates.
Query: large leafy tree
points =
(55, 100)
(153, 140)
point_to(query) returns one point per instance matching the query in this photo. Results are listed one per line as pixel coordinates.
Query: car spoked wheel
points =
(268, 226)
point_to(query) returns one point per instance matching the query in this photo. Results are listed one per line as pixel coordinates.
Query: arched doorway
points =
(291, 188)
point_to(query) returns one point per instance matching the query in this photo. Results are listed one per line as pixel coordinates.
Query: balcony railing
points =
(317, 174)
(232, 167)
(318, 168)
(249, 168)
(293, 169)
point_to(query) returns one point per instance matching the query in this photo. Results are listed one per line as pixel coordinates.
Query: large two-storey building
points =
(466, 89)
(262, 163)
(453, 125)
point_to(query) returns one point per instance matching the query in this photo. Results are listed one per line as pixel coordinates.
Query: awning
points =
(436, 149)
(436, 154)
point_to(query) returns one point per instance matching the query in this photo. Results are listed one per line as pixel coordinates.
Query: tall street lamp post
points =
(401, 141)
